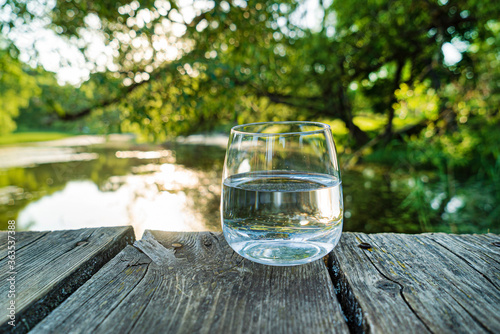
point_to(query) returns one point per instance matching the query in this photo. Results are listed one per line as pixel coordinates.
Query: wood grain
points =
(200, 287)
(418, 283)
(478, 251)
(194, 282)
(51, 266)
(22, 239)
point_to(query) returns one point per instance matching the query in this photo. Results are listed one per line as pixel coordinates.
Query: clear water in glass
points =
(277, 207)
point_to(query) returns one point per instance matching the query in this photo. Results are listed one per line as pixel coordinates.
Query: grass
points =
(29, 137)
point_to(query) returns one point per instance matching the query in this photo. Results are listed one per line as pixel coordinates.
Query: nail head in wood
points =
(364, 245)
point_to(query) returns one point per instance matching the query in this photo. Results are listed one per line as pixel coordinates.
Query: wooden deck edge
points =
(37, 311)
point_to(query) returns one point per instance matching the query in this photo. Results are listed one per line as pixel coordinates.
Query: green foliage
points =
(187, 68)
(16, 90)
(374, 69)
(462, 148)
(419, 103)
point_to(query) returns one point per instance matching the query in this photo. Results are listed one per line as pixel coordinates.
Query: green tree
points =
(16, 90)
(181, 69)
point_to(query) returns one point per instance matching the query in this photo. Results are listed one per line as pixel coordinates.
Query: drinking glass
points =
(281, 199)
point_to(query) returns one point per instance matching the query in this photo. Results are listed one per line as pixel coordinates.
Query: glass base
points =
(282, 253)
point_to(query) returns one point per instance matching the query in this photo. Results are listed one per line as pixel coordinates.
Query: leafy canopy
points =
(180, 67)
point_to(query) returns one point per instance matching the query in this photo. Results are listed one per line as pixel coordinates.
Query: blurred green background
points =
(410, 88)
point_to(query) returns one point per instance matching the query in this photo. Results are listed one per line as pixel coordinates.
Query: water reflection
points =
(31, 156)
(156, 201)
(176, 187)
(145, 186)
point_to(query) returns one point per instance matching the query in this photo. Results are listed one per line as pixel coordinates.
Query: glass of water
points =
(282, 193)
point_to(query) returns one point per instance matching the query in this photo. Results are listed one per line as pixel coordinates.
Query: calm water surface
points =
(172, 187)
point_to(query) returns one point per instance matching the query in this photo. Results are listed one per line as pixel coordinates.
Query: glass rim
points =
(322, 126)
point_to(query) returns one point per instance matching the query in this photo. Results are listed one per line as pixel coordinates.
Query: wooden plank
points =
(202, 286)
(370, 301)
(52, 265)
(418, 283)
(478, 251)
(22, 240)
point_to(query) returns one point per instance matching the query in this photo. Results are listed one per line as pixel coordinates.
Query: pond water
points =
(171, 187)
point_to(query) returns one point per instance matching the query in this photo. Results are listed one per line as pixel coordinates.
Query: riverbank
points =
(63, 149)
(60, 139)
(31, 137)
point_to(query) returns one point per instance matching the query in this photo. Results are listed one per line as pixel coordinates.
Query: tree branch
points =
(88, 110)
(409, 129)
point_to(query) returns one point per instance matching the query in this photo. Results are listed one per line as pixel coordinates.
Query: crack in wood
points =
(124, 298)
(467, 262)
(400, 293)
(349, 305)
(415, 281)
(354, 313)
(157, 252)
(214, 236)
(467, 311)
(62, 273)
(95, 293)
(403, 283)
(145, 307)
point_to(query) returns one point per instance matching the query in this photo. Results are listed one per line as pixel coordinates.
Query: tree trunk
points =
(345, 113)
(397, 78)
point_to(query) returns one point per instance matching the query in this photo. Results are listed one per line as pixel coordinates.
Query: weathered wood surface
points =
(424, 283)
(436, 283)
(200, 287)
(52, 265)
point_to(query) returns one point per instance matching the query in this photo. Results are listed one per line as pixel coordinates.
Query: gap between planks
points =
(50, 266)
(420, 283)
(377, 288)
(199, 287)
